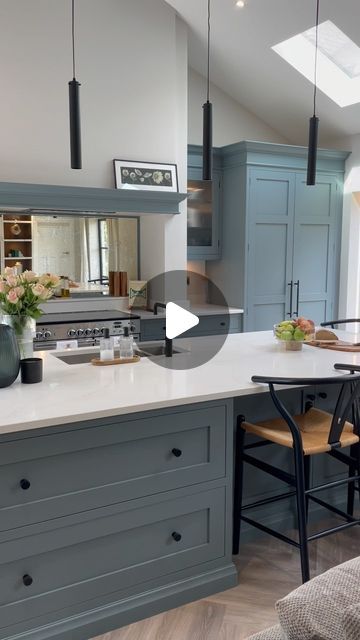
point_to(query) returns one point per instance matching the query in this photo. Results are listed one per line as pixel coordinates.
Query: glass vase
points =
(25, 329)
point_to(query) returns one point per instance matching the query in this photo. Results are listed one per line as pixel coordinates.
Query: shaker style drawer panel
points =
(210, 325)
(213, 324)
(152, 329)
(110, 552)
(55, 475)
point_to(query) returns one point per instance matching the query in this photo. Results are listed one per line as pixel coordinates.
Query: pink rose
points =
(9, 271)
(3, 286)
(38, 290)
(12, 281)
(19, 291)
(29, 276)
(12, 297)
(49, 280)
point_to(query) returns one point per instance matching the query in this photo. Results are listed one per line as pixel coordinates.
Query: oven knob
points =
(80, 332)
(71, 333)
(96, 331)
(132, 328)
(38, 335)
(88, 332)
(47, 334)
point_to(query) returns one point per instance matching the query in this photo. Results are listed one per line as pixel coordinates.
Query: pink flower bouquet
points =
(22, 295)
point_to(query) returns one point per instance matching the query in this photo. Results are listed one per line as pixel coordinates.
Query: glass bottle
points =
(106, 346)
(65, 288)
(126, 345)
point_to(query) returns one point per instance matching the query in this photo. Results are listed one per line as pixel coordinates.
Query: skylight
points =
(338, 61)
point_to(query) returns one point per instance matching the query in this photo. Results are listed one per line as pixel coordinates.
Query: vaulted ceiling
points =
(244, 65)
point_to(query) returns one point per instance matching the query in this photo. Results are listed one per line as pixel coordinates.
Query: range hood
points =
(42, 199)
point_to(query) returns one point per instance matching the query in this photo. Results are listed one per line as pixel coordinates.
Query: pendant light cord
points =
(316, 51)
(208, 54)
(73, 35)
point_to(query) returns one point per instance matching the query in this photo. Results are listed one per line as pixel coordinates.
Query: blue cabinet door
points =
(210, 249)
(270, 243)
(315, 238)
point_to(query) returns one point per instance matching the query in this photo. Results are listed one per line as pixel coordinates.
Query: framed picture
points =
(149, 176)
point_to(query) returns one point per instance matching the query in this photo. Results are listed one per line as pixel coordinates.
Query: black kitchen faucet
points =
(168, 342)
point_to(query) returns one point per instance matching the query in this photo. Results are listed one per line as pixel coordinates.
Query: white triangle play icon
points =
(178, 320)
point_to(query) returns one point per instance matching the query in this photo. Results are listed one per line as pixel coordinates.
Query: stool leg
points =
(307, 471)
(301, 511)
(351, 486)
(238, 483)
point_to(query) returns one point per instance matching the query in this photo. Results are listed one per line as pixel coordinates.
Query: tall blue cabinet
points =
(280, 238)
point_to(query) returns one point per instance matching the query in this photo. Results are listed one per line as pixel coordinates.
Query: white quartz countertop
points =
(197, 309)
(71, 393)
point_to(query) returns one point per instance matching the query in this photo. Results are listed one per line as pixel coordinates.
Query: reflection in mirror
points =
(83, 249)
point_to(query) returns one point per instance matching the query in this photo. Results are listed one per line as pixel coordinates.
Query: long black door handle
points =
(297, 284)
(290, 284)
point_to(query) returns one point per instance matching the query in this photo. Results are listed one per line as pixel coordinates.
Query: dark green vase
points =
(9, 356)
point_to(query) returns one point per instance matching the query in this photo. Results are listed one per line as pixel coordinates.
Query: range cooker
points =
(84, 327)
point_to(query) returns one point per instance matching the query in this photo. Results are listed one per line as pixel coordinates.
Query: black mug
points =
(31, 370)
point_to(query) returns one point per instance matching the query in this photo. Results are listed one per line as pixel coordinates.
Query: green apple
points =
(299, 335)
(287, 335)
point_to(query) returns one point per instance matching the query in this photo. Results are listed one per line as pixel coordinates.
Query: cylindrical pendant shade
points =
(207, 141)
(75, 126)
(312, 153)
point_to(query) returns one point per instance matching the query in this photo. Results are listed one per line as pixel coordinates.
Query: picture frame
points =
(145, 176)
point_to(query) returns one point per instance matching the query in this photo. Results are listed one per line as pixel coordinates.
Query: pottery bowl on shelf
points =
(292, 334)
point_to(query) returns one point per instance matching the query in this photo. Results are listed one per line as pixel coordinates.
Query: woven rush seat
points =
(314, 426)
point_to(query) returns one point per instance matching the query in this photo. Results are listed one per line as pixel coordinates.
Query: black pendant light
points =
(207, 115)
(314, 120)
(74, 105)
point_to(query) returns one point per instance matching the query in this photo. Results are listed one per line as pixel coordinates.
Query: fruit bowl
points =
(293, 333)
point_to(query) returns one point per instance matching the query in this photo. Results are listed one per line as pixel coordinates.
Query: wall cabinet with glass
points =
(203, 208)
(16, 242)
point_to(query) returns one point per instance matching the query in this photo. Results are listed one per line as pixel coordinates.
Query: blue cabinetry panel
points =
(271, 223)
(281, 238)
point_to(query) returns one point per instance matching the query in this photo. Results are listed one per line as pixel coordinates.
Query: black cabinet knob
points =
(27, 580)
(176, 452)
(322, 395)
(222, 324)
(176, 536)
(311, 397)
(25, 484)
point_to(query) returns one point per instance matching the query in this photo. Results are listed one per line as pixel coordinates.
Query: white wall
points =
(231, 122)
(349, 289)
(132, 65)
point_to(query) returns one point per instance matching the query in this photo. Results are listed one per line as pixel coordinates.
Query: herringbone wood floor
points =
(268, 569)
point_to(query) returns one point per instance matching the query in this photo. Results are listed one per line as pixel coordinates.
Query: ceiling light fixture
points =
(74, 105)
(314, 120)
(240, 4)
(207, 114)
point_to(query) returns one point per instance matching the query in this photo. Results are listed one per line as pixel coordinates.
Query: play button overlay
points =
(193, 317)
(178, 320)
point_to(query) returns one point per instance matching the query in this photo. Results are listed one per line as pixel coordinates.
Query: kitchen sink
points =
(144, 351)
(157, 350)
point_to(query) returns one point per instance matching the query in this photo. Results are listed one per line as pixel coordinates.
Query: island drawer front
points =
(214, 324)
(87, 468)
(110, 553)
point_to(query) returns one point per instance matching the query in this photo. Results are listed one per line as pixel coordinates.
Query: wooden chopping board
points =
(338, 345)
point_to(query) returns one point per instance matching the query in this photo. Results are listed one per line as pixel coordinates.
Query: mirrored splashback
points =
(83, 249)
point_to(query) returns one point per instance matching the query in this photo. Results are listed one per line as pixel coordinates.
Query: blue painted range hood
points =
(24, 198)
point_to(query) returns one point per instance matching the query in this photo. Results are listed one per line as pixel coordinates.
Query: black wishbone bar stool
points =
(311, 433)
(332, 323)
